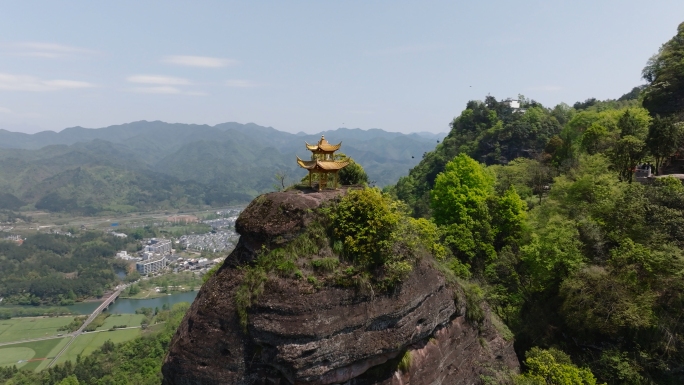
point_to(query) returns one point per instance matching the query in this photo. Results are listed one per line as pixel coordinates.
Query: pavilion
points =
(323, 162)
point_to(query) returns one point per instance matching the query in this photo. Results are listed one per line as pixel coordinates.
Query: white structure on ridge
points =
(513, 103)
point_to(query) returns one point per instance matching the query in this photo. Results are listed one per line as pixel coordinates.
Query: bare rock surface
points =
(330, 335)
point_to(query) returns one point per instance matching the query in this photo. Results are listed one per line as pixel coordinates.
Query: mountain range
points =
(152, 165)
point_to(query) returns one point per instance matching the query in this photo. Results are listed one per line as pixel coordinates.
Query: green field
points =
(17, 329)
(122, 319)
(88, 342)
(38, 352)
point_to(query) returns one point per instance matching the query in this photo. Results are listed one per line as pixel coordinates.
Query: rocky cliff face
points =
(300, 334)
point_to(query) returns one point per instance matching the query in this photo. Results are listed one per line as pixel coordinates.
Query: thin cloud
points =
(45, 50)
(158, 80)
(239, 83)
(10, 82)
(61, 84)
(4, 110)
(199, 61)
(165, 90)
(158, 90)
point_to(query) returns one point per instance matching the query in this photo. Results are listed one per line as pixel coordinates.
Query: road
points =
(90, 319)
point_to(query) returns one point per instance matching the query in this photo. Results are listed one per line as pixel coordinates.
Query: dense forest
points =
(541, 207)
(52, 269)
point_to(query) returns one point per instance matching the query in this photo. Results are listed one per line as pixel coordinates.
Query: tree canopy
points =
(665, 74)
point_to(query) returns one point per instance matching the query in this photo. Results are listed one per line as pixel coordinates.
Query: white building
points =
(158, 246)
(151, 265)
(123, 254)
(513, 103)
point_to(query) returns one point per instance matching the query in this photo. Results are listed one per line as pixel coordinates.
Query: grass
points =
(405, 363)
(177, 283)
(40, 353)
(501, 327)
(88, 342)
(17, 329)
(151, 293)
(122, 319)
(13, 355)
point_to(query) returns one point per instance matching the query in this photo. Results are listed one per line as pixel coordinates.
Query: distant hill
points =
(144, 165)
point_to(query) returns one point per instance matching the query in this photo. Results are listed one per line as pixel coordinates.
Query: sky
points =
(314, 65)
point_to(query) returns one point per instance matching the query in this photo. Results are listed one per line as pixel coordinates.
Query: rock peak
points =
(300, 333)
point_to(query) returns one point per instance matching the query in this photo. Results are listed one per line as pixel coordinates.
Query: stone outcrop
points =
(300, 335)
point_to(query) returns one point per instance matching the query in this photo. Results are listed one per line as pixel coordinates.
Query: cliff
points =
(298, 332)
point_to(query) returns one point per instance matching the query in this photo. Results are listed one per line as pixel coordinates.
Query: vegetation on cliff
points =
(569, 252)
(364, 240)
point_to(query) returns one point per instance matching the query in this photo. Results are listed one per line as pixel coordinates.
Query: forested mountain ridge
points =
(156, 165)
(568, 248)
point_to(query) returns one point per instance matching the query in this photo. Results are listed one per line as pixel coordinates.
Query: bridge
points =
(90, 319)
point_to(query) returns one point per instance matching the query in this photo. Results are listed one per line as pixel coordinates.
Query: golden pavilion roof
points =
(323, 146)
(327, 165)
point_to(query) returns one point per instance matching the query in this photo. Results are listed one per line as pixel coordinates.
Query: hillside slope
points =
(146, 165)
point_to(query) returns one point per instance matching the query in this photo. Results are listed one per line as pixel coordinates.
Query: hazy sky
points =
(314, 65)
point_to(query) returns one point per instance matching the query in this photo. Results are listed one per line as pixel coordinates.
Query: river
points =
(128, 306)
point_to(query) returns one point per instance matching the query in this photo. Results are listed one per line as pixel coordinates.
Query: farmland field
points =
(88, 342)
(17, 329)
(31, 355)
(122, 319)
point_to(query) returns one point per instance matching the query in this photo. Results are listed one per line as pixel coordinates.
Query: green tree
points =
(508, 217)
(365, 221)
(461, 191)
(553, 252)
(595, 139)
(353, 174)
(553, 367)
(280, 181)
(663, 140)
(665, 74)
(597, 301)
(626, 154)
(633, 123)
(71, 380)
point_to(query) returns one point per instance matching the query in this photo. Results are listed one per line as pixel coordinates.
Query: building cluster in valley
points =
(213, 242)
(222, 237)
(158, 253)
(155, 255)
